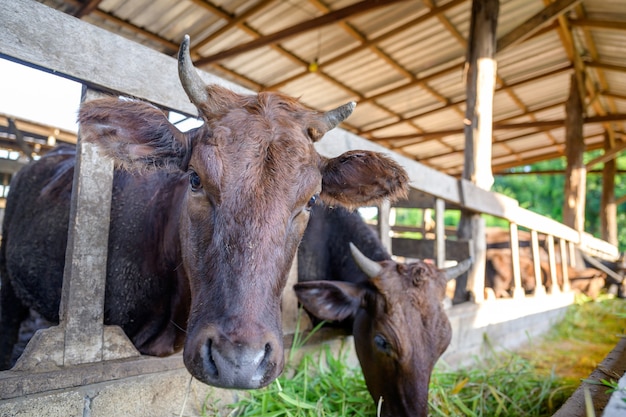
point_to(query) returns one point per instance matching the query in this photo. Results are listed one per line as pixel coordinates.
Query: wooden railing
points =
(56, 42)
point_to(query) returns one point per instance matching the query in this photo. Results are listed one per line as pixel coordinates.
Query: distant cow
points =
(394, 310)
(202, 234)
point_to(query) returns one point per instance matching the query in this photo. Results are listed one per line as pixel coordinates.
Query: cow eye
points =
(194, 181)
(382, 344)
(312, 201)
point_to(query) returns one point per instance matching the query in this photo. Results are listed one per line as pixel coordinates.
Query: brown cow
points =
(203, 234)
(393, 310)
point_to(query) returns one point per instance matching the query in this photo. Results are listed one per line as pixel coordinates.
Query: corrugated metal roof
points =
(403, 64)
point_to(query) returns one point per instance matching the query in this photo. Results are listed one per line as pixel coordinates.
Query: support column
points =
(608, 207)
(576, 173)
(481, 78)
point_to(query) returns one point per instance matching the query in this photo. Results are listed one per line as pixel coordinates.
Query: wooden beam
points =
(553, 172)
(504, 126)
(329, 18)
(601, 24)
(535, 23)
(606, 66)
(609, 155)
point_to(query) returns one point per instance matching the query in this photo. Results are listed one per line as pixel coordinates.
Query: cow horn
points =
(370, 268)
(458, 269)
(332, 118)
(189, 78)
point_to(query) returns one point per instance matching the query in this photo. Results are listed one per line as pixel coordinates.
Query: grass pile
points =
(533, 382)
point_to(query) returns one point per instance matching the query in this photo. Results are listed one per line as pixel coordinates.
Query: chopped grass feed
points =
(534, 382)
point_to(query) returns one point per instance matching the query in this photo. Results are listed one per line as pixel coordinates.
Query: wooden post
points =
(564, 263)
(608, 207)
(518, 291)
(480, 78)
(575, 174)
(540, 289)
(384, 225)
(440, 232)
(572, 254)
(555, 289)
(81, 336)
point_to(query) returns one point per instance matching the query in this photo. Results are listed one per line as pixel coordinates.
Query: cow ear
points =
(330, 300)
(135, 134)
(361, 178)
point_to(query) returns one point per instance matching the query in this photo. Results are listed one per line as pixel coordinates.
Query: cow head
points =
(400, 327)
(252, 174)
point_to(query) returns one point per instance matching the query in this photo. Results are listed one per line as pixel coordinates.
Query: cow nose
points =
(247, 363)
(237, 364)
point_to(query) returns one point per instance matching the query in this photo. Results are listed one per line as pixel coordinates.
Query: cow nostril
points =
(268, 354)
(210, 365)
(266, 367)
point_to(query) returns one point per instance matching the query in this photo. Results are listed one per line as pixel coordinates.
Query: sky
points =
(38, 96)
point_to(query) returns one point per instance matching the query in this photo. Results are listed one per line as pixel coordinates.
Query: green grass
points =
(532, 382)
(320, 385)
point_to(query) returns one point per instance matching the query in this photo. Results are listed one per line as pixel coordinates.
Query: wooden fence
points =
(56, 42)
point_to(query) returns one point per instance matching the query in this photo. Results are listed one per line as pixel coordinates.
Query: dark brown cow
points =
(202, 236)
(394, 310)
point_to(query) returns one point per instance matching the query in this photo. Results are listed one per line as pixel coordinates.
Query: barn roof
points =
(402, 61)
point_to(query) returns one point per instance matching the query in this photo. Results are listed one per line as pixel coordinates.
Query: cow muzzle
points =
(234, 361)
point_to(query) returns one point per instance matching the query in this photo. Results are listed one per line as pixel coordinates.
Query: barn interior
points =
(404, 64)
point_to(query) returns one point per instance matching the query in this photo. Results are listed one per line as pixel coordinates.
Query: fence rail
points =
(38, 36)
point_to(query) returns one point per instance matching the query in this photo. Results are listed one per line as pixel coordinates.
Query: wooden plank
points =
(552, 264)
(479, 200)
(532, 25)
(540, 289)
(564, 263)
(80, 51)
(384, 224)
(440, 233)
(534, 221)
(518, 291)
(82, 300)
